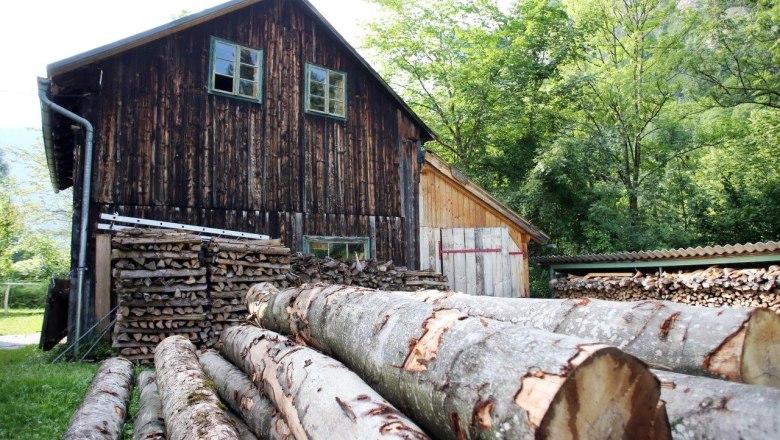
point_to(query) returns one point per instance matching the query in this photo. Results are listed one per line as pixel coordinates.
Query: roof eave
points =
(48, 142)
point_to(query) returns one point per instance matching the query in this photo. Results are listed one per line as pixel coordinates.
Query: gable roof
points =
(108, 50)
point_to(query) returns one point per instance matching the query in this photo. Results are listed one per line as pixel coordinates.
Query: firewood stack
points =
(161, 288)
(382, 275)
(236, 265)
(712, 287)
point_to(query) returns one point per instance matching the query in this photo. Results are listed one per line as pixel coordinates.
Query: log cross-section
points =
(465, 377)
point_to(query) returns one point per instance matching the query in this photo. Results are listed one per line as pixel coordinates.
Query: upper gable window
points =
(326, 91)
(235, 70)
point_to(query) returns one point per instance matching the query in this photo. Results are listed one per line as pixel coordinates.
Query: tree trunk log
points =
(149, 422)
(190, 405)
(317, 395)
(243, 397)
(465, 377)
(101, 414)
(737, 344)
(705, 408)
(244, 433)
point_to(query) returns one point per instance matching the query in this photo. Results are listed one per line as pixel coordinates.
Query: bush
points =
(27, 297)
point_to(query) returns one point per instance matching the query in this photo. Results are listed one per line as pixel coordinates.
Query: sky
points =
(39, 32)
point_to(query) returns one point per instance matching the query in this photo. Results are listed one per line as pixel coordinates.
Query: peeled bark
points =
(242, 396)
(465, 377)
(317, 396)
(737, 344)
(702, 408)
(190, 405)
(101, 414)
(149, 422)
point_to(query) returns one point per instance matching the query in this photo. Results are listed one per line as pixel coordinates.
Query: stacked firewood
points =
(236, 265)
(161, 288)
(712, 287)
(383, 275)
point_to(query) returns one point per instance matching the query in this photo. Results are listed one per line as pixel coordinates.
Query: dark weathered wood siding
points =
(168, 150)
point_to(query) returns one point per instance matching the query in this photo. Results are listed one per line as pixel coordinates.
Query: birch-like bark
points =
(318, 396)
(244, 433)
(737, 344)
(190, 404)
(101, 414)
(244, 398)
(463, 377)
(149, 423)
(703, 408)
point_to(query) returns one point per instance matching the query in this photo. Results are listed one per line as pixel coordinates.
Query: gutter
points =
(46, 106)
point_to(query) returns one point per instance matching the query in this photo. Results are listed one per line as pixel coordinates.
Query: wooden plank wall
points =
(446, 204)
(475, 273)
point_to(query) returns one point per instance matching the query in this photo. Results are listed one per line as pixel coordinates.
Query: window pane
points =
(336, 108)
(249, 57)
(358, 249)
(316, 103)
(223, 67)
(336, 79)
(339, 251)
(248, 72)
(336, 93)
(226, 51)
(319, 250)
(317, 89)
(317, 74)
(247, 88)
(223, 83)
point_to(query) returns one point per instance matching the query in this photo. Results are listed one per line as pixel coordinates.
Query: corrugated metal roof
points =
(737, 250)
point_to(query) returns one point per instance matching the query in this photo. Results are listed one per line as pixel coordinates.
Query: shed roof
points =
(737, 254)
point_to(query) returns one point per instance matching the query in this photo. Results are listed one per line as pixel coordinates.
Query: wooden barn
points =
(258, 116)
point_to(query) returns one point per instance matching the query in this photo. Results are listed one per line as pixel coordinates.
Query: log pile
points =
(161, 288)
(306, 268)
(712, 287)
(234, 266)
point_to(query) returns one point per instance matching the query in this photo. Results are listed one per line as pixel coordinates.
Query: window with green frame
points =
(340, 248)
(235, 70)
(326, 91)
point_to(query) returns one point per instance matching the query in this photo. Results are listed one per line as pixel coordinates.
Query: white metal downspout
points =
(85, 195)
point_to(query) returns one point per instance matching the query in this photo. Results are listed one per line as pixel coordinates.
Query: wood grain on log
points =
(190, 404)
(464, 377)
(737, 344)
(149, 423)
(101, 414)
(243, 397)
(317, 396)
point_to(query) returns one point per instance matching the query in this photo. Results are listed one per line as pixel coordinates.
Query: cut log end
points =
(626, 396)
(761, 351)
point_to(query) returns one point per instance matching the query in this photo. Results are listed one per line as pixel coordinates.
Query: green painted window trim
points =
(306, 100)
(366, 241)
(260, 64)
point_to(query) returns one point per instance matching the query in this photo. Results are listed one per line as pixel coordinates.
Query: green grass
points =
(37, 398)
(21, 321)
(27, 296)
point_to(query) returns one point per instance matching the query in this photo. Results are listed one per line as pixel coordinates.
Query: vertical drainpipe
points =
(43, 85)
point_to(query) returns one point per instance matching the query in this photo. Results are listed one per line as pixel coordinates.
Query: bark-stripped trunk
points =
(101, 414)
(189, 402)
(737, 344)
(149, 422)
(465, 377)
(318, 396)
(242, 396)
(702, 408)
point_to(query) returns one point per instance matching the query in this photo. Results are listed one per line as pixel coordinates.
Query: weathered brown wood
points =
(149, 423)
(102, 279)
(102, 413)
(315, 394)
(432, 363)
(243, 397)
(190, 406)
(741, 345)
(705, 408)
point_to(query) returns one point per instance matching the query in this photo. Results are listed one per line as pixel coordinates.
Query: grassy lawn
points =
(38, 398)
(21, 321)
